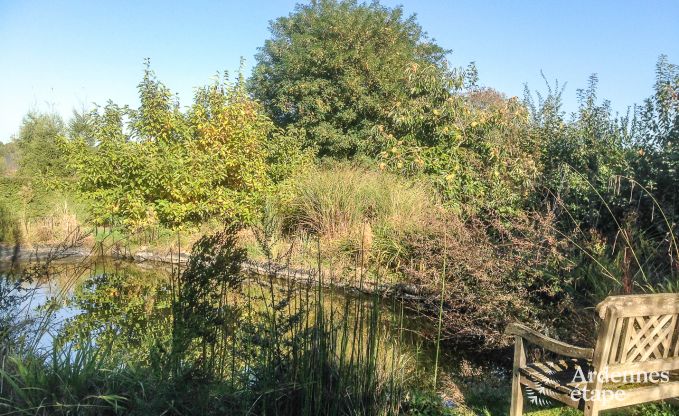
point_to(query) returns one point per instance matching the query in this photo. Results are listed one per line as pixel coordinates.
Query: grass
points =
(643, 410)
(634, 260)
(339, 199)
(69, 380)
(351, 208)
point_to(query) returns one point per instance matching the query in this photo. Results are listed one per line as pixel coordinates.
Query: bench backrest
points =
(638, 334)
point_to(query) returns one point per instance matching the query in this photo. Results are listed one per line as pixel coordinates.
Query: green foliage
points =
(582, 157)
(81, 127)
(68, 381)
(33, 212)
(339, 200)
(171, 168)
(419, 403)
(10, 229)
(286, 156)
(393, 96)
(461, 170)
(335, 70)
(658, 117)
(613, 183)
(662, 409)
(656, 137)
(38, 146)
(480, 155)
(497, 268)
(35, 183)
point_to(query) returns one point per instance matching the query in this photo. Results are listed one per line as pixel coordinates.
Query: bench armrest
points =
(548, 343)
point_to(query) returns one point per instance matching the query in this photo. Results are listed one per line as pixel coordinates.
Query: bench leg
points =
(516, 408)
(591, 409)
(592, 406)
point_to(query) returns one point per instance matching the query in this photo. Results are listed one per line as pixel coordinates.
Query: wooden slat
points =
(557, 375)
(640, 367)
(640, 305)
(665, 338)
(662, 333)
(516, 407)
(651, 307)
(644, 395)
(668, 340)
(548, 343)
(601, 352)
(629, 333)
(636, 344)
(615, 346)
(645, 342)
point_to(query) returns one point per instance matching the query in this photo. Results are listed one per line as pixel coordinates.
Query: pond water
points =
(128, 307)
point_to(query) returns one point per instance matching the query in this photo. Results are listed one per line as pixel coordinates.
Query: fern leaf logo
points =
(538, 396)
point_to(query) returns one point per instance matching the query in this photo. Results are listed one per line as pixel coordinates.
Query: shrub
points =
(495, 272)
(31, 212)
(159, 165)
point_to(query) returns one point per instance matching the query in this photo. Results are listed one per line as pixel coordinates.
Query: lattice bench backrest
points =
(639, 333)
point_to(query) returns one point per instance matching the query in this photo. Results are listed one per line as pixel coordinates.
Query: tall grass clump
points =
(339, 198)
(638, 255)
(67, 381)
(351, 207)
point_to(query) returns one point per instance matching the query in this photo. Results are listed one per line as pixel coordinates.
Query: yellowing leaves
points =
(187, 167)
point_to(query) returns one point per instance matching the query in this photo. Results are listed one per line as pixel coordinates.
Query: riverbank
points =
(327, 278)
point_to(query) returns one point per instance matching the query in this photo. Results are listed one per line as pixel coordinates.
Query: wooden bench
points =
(636, 346)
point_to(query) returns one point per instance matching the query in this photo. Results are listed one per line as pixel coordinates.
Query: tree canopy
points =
(38, 145)
(337, 69)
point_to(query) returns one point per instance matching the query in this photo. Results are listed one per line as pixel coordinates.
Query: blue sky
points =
(57, 55)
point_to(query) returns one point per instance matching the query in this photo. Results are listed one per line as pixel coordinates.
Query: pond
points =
(127, 306)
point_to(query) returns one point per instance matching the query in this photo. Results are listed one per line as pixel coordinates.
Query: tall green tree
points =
(355, 79)
(337, 69)
(40, 154)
